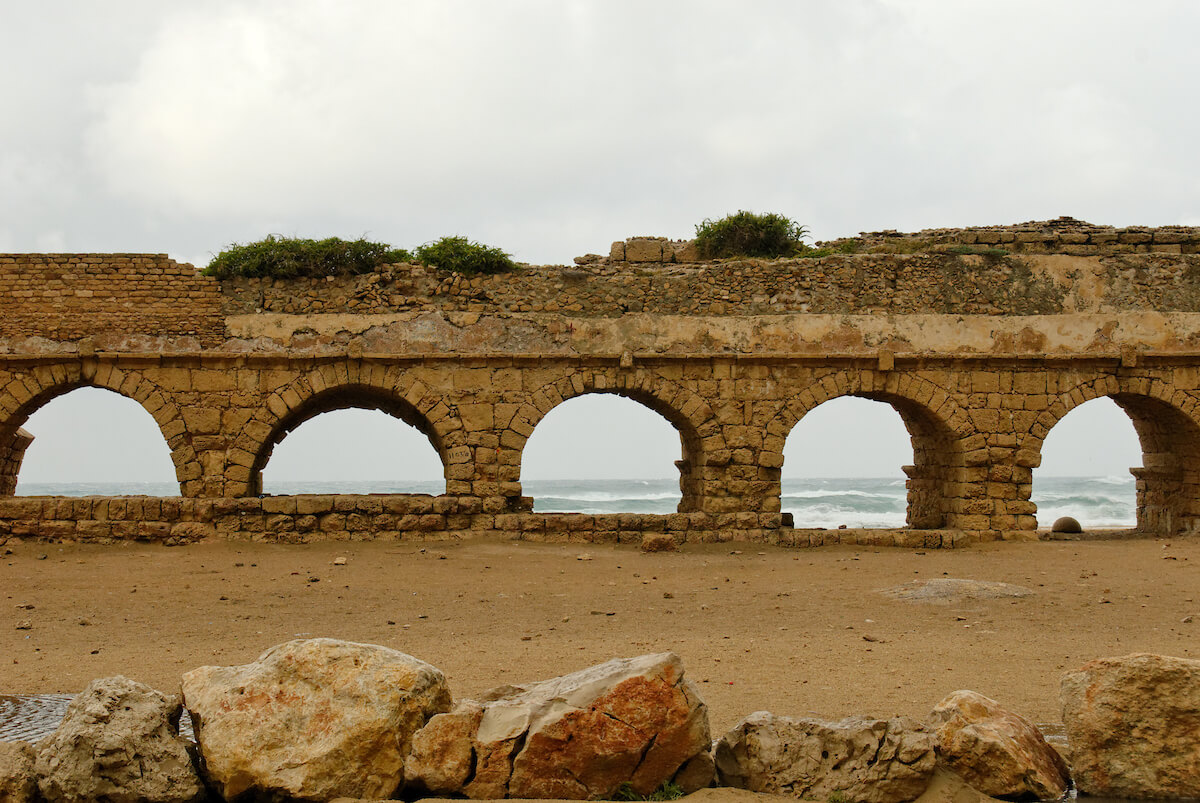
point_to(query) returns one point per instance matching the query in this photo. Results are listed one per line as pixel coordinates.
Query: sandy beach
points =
(792, 631)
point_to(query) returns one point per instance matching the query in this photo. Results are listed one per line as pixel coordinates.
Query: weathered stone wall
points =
(69, 297)
(977, 427)
(733, 354)
(930, 283)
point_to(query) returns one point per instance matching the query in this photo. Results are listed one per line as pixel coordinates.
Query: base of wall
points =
(412, 517)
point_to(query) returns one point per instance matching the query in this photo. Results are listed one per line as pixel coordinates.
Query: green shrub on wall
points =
(292, 257)
(746, 234)
(463, 256)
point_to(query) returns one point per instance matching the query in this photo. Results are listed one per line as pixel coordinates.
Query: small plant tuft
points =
(669, 790)
(460, 255)
(837, 796)
(747, 234)
(293, 257)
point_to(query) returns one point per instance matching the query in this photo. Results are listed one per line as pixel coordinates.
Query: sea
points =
(1097, 502)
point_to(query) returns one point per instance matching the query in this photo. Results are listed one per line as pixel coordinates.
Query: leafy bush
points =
(291, 257)
(463, 256)
(750, 235)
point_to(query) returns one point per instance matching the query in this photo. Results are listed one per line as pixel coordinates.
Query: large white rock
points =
(18, 782)
(996, 751)
(312, 719)
(119, 743)
(633, 721)
(1133, 724)
(864, 760)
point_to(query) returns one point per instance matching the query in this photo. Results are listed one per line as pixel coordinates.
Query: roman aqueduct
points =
(981, 339)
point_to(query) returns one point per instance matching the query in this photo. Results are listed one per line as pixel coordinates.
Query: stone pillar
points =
(925, 497)
(10, 461)
(1162, 504)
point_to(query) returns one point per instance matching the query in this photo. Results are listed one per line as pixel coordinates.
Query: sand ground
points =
(796, 632)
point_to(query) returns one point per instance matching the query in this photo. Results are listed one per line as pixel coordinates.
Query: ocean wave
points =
(831, 493)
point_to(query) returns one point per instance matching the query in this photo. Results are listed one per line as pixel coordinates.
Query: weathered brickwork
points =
(978, 393)
(69, 297)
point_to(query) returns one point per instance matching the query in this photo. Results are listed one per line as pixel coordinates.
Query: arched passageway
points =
(90, 441)
(354, 451)
(354, 439)
(1086, 468)
(843, 465)
(603, 453)
(1168, 480)
(937, 490)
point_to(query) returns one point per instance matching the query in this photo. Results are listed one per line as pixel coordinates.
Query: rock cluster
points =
(319, 719)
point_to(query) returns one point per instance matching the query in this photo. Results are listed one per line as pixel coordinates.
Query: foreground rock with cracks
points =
(1134, 726)
(118, 742)
(996, 751)
(313, 719)
(864, 760)
(634, 721)
(18, 780)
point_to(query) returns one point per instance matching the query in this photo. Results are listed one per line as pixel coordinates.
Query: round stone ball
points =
(1066, 525)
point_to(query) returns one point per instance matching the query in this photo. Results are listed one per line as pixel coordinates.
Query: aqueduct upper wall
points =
(982, 339)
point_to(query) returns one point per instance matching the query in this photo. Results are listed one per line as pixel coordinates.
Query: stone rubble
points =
(312, 719)
(996, 751)
(118, 743)
(1133, 724)
(18, 779)
(320, 720)
(634, 721)
(862, 760)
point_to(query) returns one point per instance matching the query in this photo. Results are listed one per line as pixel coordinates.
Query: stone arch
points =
(24, 395)
(1167, 423)
(691, 416)
(943, 438)
(338, 387)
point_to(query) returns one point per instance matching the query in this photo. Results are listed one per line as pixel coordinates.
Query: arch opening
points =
(351, 440)
(604, 452)
(1167, 483)
(1086, 468)
(82, 440)
(870, 460)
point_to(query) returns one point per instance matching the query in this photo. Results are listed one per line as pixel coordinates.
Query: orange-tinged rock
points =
(1133, 724)
(584, 735)
(312, 719)
(996, 751)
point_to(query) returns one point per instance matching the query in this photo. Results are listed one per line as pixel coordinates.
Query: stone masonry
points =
(981, 353)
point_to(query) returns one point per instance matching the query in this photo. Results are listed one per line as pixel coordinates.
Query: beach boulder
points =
(18, 781)
(1133, 724)
(630, 721)
(118, 742)
(996, 751)
(863, 760)
(312, 719)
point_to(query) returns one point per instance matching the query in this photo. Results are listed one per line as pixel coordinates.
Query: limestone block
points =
(996, 751)
(119, 741)
(865, 760)
(580, 736)
(1134, 726)
(617, 252)
(202, 420)
(644, 249)
(312, 719)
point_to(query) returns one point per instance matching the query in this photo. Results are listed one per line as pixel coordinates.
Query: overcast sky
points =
(553, 127)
